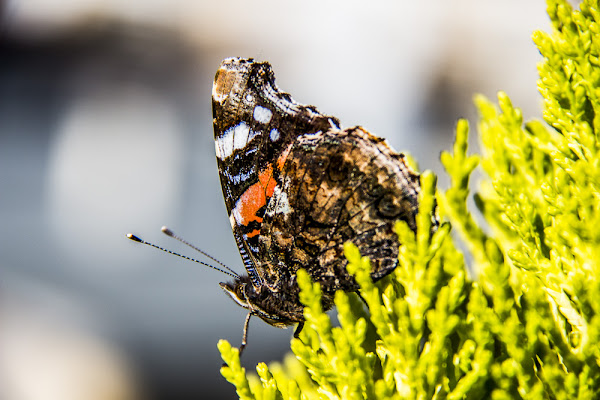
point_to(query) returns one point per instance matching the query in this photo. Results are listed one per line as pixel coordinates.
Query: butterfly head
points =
(272, 307)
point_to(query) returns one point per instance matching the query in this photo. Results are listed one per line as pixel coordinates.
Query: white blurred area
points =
(106, 128)
(42, 359)
(96, 138)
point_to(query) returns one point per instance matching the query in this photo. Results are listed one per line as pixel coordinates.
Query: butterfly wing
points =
(337, 186)
(255, 125)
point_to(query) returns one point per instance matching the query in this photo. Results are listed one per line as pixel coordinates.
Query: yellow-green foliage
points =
(527, 325)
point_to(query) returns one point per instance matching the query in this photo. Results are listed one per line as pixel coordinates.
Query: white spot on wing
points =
(313, 136)
(236, 218)
(225, 144)
(240, 135)
(262, 114)
(274, 135)
(279, 203)
(233, 138)
(283, 205)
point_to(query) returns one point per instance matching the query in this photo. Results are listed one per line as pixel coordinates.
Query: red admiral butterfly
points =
(297, 187)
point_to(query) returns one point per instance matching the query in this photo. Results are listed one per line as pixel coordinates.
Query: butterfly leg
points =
(245, 334)
(298, 329)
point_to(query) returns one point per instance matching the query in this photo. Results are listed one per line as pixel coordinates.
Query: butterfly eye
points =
(239, 291)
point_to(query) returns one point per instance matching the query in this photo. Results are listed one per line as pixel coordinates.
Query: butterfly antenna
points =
(139, 240)
(170, 233)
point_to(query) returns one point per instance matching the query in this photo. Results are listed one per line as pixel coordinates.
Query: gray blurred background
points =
(105, 128)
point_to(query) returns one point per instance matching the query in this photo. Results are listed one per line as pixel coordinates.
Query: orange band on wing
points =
(265, 179)
(253, 233)
(248, 205)
(257, 195)
(254, 198)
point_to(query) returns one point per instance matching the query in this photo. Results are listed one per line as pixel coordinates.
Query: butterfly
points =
(297, 186)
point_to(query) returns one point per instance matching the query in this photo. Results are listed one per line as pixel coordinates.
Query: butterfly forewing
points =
(254, 123)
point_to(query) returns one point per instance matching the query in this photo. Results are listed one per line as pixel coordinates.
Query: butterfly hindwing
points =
(337, 186)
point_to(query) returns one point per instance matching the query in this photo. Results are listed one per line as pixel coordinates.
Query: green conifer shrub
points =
(527, 326)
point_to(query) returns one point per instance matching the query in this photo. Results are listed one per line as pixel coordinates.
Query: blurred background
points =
(105, 128)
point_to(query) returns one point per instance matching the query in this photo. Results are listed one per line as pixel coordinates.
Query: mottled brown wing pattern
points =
(338, 186)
